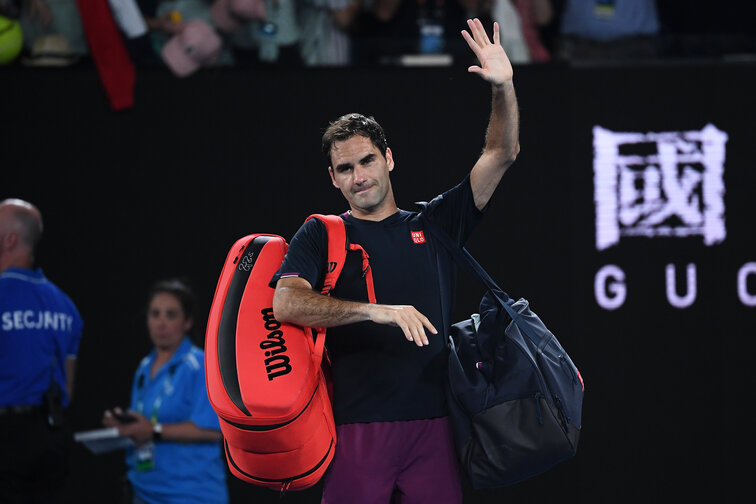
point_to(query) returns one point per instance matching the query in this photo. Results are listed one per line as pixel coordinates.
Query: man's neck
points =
(373, 216)
(15, 262)
(377, 214)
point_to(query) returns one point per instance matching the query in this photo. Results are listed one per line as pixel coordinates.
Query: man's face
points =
(361, 172)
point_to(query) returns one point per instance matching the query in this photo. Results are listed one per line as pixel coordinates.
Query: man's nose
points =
(360, 175)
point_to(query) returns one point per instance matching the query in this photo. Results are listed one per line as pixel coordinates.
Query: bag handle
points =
(466, 261)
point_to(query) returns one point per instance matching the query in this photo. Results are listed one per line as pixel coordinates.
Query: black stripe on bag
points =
(262, 428)
(227, 326)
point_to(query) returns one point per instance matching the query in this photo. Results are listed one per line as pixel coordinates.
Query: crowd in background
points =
(187, 35)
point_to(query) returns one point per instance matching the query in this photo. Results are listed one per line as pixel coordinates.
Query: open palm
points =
(494, 63)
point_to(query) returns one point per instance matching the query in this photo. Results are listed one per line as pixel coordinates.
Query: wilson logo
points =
(417, 237)
(277, 363)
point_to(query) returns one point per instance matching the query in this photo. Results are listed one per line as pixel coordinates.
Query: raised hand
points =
(494, 63)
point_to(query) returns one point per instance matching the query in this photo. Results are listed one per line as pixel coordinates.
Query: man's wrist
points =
(157, 432)
(504, 86)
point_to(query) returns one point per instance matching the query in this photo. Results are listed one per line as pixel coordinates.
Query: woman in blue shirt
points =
(177, 457)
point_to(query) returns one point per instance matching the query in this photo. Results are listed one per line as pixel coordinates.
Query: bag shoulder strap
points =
(338, 245)
(461, 255)
(466, 261)
(337, 248)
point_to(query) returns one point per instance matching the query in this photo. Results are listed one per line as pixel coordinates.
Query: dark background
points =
(167, 187)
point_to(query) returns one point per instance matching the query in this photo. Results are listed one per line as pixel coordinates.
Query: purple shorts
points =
(412, 462)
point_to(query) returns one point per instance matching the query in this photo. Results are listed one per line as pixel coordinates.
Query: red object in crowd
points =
(109, 52)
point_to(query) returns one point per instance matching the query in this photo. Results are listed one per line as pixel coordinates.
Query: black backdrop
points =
(165, 188)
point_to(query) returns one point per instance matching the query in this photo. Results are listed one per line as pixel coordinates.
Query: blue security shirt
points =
(39, 328)
(183, 472)
(610, 19)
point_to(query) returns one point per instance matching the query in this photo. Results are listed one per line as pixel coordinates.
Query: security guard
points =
(40, 329)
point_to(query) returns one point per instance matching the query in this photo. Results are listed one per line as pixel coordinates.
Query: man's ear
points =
(10, 240)
(389, 159)
(333, 180)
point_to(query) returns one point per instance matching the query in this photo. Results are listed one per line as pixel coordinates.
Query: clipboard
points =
(103, 440)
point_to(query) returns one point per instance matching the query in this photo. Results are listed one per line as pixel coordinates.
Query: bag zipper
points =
(263, 428)
(285, 482)
(563, 416)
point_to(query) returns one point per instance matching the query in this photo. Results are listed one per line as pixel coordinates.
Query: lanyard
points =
(167, 385)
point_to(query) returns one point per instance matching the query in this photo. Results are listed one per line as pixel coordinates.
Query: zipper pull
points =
(284, 488)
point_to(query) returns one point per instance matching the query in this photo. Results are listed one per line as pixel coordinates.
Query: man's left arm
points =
(502, 137)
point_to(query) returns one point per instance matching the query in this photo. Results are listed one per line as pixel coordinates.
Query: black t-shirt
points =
(377, 374)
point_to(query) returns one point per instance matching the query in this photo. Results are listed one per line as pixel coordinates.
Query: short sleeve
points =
(77, 326)
(455, 211)
(202, 414)
(307, 254)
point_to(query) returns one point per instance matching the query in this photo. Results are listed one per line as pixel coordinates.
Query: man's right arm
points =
(295, 302)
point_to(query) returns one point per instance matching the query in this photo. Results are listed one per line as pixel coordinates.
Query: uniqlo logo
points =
(665, 184)
(417, 237)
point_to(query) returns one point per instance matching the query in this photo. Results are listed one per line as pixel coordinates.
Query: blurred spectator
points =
(260, 32)
(167, 20)
(41, 19)
(233, 19)
(196, 45)
(511, 30)
(148, 25)
(608, 29)
(388, 29)
(132, 24)
(534, 15)
(325, 25)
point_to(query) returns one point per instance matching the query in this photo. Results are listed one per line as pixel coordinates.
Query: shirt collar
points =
(30, 274)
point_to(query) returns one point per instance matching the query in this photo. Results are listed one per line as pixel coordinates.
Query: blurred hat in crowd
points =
(50, 50)
(195, 46)
(11, 40)
(228, 15)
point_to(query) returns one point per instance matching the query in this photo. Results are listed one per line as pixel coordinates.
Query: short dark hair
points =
(349, 125)
(180, 290)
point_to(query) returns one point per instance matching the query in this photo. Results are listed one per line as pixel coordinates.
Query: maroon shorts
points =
(410, 462)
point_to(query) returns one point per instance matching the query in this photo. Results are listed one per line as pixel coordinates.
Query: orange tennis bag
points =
(267, 380)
